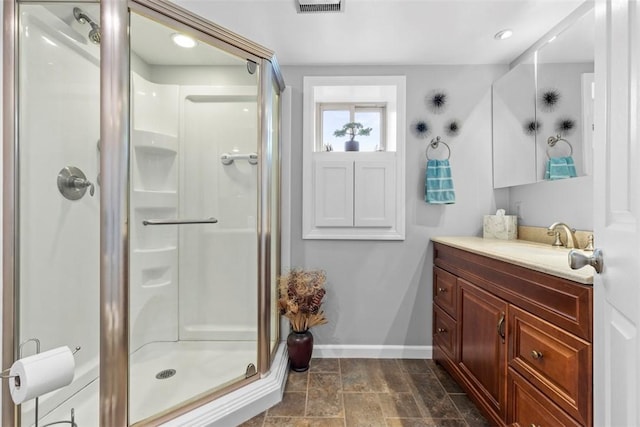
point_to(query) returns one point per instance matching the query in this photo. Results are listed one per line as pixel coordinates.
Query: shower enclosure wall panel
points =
(58, 127)
(154, 177)
(218, 261)
(179, 133)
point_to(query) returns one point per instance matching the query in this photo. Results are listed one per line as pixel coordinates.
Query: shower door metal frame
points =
(10, 204)
(114, 213)
(114, 201)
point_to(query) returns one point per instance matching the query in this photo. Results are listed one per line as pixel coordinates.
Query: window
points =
(332, 116)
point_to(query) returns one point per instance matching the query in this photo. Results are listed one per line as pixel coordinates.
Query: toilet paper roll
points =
(41, 373)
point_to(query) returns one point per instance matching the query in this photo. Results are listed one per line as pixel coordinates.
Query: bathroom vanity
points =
(512, 323)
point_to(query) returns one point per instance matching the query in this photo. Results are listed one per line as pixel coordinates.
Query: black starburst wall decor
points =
(437, 101)
(452, 128)
(565, 126)
(532, 127)
(421, 128)
(549, 99)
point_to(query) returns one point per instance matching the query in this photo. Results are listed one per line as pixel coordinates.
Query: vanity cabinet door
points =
(445, 334)
(483, 354)
(528, 407)
(553, 360)
(445, 292)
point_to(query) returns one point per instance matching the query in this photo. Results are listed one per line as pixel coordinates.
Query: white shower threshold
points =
(199, 365)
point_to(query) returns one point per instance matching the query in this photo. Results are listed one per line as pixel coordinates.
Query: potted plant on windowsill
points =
(352, 129)
(300, 297)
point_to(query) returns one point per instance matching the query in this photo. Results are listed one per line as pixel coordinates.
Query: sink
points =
(530, 252)
(534, 250)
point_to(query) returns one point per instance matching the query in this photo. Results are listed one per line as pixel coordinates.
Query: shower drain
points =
(167, 373)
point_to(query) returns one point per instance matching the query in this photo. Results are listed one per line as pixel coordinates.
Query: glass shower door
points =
(194, 204)
(58, 261)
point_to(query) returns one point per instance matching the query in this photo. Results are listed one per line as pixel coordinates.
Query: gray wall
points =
(379, 293)
(543, 203)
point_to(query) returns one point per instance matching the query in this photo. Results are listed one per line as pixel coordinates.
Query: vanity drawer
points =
(445, 291)
(530, 408)
(554, 361)
(445, 332)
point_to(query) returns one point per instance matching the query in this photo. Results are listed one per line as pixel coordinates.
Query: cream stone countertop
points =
(536, 256)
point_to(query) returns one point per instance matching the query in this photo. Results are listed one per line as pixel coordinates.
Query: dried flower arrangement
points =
(301, 294)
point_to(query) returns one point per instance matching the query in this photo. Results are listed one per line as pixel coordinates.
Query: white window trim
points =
(387, 90)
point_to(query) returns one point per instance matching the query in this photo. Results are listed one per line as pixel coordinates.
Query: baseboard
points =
(243, 404)
(373, 351)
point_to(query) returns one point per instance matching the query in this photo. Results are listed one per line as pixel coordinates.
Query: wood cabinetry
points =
(482, 344)
(517, 340)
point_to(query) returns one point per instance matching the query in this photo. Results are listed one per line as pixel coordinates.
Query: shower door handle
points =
(211, 220)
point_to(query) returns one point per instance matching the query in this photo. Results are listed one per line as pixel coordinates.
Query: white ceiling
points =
(388, 32)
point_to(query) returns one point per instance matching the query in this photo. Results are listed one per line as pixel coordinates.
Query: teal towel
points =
(438, 184)
(560, 168)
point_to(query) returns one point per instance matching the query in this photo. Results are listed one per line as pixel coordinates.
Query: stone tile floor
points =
(372, 393)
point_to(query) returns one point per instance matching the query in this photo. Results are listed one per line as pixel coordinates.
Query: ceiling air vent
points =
(313, 6)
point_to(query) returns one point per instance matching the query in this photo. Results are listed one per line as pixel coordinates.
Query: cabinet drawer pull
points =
(501, 326)
(533, 425)
(536, 354)
(442, 290)
(442, 330)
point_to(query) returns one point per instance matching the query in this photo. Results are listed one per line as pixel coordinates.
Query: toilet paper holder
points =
(5, 373)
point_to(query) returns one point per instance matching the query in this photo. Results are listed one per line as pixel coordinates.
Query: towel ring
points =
(553, 140)
(435, 142)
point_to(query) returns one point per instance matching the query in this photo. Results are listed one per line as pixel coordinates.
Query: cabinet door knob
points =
(442, 290)
(442, 330)
(536, 354)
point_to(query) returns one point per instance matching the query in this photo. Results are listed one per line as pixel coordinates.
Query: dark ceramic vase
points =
(352, 145)
(300, 347)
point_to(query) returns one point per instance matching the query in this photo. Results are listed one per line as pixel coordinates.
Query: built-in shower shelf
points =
(154, 199)
(155, 266)
(155, 251)
(154, 142)
(155, 257)
(152, 285)
(156, 254)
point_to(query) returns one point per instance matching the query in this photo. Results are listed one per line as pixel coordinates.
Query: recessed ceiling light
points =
(183, 40)
(504, 34)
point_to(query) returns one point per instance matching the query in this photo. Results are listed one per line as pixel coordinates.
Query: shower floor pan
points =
(198, 365)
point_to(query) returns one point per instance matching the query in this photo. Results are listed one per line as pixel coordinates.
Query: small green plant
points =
(352, 129)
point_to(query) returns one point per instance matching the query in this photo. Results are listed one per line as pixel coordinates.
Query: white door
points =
(617, 214)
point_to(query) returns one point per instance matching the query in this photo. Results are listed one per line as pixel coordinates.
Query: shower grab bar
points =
(211, 220)
(227, 158)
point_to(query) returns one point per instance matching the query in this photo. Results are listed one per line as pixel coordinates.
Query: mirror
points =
(514, 139)
(543, 110)
(565, 102)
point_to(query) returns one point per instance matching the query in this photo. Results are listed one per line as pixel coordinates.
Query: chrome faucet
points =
(551, 231)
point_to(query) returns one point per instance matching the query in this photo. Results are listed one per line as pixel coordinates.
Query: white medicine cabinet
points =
(543, 107)
(356, 195)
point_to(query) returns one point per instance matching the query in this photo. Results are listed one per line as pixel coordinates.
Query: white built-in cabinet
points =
(354, 190)
(333, 201)
(354, 195)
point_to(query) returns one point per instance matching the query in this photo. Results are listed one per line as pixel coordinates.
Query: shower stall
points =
(141, 209)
